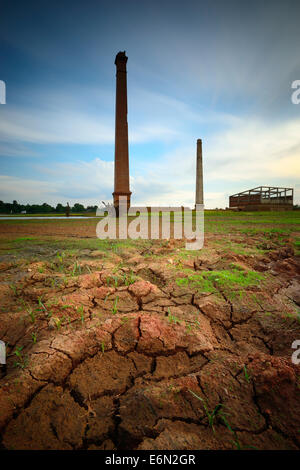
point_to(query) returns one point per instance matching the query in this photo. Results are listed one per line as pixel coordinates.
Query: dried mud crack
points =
(138, 353)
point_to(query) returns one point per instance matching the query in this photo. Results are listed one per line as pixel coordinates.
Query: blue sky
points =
(219, 71)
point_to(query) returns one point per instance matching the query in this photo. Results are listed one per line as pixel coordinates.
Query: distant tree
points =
(3, 208)
(91, 208)
(46, 208)
(15, 207)
(78, 207)
(60, 208)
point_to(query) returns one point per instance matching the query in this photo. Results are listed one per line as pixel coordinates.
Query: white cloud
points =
(54, 126)
(72, 127)
(255, 150)
(244, 154)
(25, 190)
(16, 150)
(82, 115)
(249, 154)
(85, 182)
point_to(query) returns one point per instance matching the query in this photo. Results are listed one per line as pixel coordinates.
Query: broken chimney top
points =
(121, 58)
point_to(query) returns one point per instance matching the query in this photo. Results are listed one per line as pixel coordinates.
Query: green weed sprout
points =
(115, 308)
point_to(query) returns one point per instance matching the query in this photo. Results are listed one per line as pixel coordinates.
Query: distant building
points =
(23, 212)
(263, 198)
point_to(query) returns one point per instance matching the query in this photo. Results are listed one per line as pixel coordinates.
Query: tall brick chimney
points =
(199, 174)
(121, 186)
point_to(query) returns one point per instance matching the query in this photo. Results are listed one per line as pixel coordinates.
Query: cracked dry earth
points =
(145, 371)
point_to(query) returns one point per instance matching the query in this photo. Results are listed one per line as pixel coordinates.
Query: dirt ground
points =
(145, 345)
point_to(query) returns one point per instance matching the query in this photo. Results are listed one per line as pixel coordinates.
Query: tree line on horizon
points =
(16, 208)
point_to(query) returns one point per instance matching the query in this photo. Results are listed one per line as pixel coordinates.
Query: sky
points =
(219, 71)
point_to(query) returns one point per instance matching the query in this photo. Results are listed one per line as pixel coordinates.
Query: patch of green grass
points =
(172, 318)
(80, 310)
(115, 306)
(76, 271)
(267, 230)
(41, 307)
(22, 361)
(31, 314)
(297, 246)
(219, 414)
(211, 414)
(129, 279)
(13, 288)
(212, 281)
(58, 322)
(251, 223)
(112, 280)
(34, 337)
(198, 281)
(23, 239)
(184, 254)
(247, 376)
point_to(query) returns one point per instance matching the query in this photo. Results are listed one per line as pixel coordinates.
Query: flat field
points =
(123, 344)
